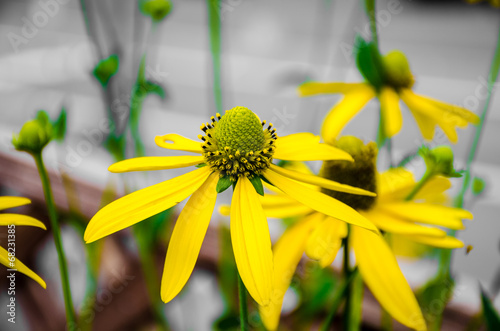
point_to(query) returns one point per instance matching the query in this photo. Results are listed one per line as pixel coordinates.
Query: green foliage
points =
(433, 298)
(257, 184)
(369, 62)
(354, 303)
(223, 184)
(59, 126)
(439, 161)
(106, 68)
(478, 185)
(490, 314)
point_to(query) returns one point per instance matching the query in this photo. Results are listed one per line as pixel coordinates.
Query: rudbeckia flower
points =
(320, 235)
(236, 149)
(11, 221)
(394, 83)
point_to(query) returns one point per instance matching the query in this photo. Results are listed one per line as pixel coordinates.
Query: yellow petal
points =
(11, 202)
(320, 181)
(445, 242)
(381, 273)
(306, 147)
(251, 242)
(456, 110)
(318, 201)
(155, 163)
(426, 125)
(389, 105)
(344, 111)
(325, 241)
(19, 266)
(142, 204)
(187, 237)
(287, 253)
(314, 88)
(428, 213)
(16, 219)
(392, 224)
(179, 143)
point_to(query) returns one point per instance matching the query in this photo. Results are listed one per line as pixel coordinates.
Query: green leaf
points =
(106, 68)
(223, 184)
(153, 88)
(478, 185)
(490, 314)
(59, 126)
(257, 184)
(369, 62)
(437, 290)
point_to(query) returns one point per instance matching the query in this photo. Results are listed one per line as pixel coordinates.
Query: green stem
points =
(370, 10)
(63, 267)
(347, 275)
(337, 300)
(425, 178)
(242, 291)
(215, 45)
(445, 258)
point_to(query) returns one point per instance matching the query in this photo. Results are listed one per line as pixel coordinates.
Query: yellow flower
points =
(320, 236)
(236, 149)
(11, 221)
(396, 85)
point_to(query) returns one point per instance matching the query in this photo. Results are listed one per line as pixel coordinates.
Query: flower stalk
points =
(63, 267)
(242, 294)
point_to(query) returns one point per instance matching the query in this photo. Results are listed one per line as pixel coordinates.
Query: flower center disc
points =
(361, 173)
(237, 144)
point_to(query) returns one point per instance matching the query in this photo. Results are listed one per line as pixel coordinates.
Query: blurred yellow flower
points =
(320, 236)
(11, 221)
(236, 149)
(493, 3)
(396, 85)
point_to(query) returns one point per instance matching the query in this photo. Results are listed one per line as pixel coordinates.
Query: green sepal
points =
(201, 165)
(265, 180)
(257, 184)
(59, 126)
(223, 184)
(490, 314)
(106, 68)
(369, 62)
(478, 185)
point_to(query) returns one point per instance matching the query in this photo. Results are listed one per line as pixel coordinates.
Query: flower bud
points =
(439, 161)
(397, 69)
(156, 9)
(34, 135)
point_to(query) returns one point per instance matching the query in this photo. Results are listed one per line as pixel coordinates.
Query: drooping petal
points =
(391, 113)
(325, 240)
(389, 223)
(251, 242)
(445, 242)
(16, 219)
(428, 213)
(344, 111)
(381, 273)
(187, 237)
(179, 143)
(315, 88)
(454, 109)
(155, 163)
(282, 206)
(287, 253)
(305, 146)
(426, 125)
(11, 202)
(318, 201)
(19, 266)
(320, 181)
(144, 203)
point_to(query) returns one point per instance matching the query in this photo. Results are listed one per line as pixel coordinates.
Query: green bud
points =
(397, 69)
(439, 161)
(478, 185)
(156, 9)
(106, 69)
(34, 135)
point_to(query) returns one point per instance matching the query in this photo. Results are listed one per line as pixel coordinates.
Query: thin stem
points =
(445, 258)
(370, 10)
(215, 46)
(242, 292)
(425, 178)
(337, 300)
(63, 267)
